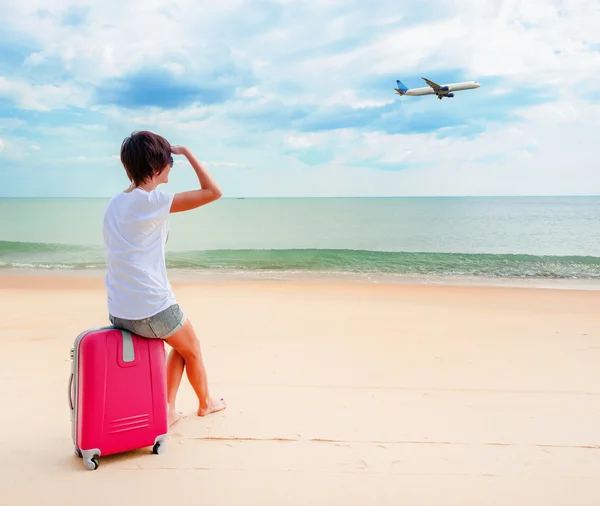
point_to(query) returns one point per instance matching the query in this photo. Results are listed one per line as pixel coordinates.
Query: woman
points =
(140, 297)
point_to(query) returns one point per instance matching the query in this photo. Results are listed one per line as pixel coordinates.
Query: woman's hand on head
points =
(178, 150)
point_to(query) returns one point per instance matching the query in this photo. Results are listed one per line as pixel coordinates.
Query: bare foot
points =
(173, 417)
(213, 407)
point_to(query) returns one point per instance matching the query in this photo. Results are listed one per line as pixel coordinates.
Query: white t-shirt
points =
(135, 232)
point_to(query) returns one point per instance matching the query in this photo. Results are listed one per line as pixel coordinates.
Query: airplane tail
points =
(402, 88)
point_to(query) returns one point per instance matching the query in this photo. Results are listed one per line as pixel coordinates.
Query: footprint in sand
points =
(339, 445)
(361, 464)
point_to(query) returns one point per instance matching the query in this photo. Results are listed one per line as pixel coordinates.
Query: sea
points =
(552, 241)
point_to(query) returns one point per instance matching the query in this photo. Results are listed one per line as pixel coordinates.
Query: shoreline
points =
(189, 276)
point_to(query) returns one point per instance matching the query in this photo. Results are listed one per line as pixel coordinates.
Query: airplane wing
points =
(436, 87)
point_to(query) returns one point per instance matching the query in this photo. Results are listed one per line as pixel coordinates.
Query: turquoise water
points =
(541, 237)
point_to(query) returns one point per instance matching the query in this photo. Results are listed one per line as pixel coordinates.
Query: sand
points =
(338, 394)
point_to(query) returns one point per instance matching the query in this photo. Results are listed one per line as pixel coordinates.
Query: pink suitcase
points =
(117, 394)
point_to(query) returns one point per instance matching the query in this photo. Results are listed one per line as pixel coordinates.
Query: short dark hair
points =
(144, 155)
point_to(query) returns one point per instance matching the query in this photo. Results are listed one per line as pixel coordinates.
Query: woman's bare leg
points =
(187, 345)
(175, 366)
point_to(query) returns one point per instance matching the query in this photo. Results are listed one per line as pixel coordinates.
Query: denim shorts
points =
(162, 325)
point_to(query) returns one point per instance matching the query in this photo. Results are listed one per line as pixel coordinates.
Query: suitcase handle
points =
(71, 391)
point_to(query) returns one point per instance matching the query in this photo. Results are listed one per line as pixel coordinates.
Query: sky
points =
(295, 98)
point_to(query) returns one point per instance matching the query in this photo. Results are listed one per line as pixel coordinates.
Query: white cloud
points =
(41, 97)
(301, 141)
(115, 36)
(176, 68)
(251, 92)
(349, 98)
(14, 149)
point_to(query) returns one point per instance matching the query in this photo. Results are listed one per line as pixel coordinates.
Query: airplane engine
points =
(444, 88)
(450, 95)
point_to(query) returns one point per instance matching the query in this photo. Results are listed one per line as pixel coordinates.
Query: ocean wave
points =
(61, 256)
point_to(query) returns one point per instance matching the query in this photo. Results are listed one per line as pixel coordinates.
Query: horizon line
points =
(327, 197)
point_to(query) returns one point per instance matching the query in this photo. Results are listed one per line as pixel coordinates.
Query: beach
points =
(337, 392)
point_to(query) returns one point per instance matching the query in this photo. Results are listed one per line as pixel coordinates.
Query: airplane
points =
(433, 88)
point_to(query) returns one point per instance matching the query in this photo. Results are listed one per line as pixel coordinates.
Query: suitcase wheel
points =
(159, 444)
(91, 464)
(158, 448)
